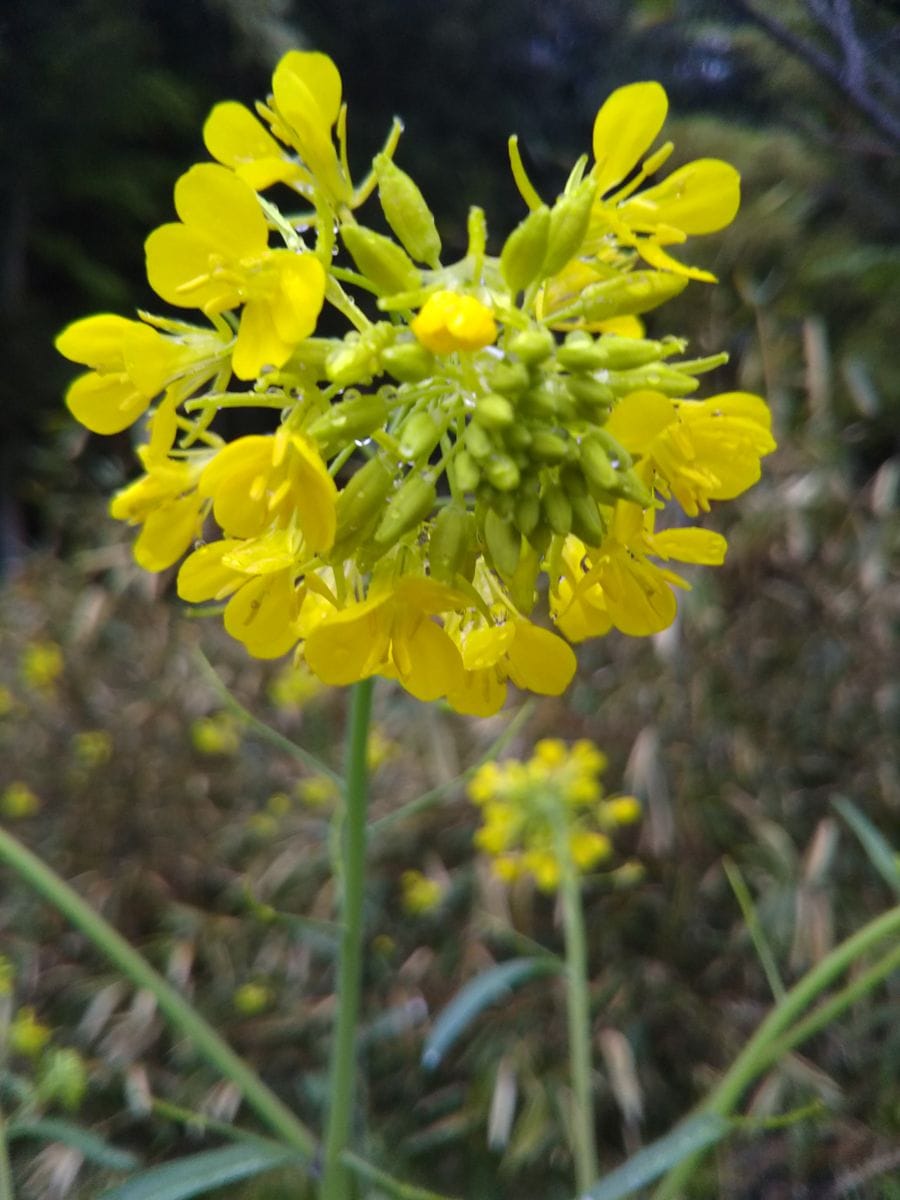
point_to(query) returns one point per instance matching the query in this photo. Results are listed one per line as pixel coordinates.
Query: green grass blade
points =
(697, 1133)
(881, 854)
(94, 1149)
(200, 1173)
(482, 991)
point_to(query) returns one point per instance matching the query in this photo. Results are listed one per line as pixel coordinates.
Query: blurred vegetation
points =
(776, 692)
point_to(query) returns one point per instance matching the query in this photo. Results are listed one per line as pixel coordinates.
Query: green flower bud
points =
(532, 346)
(509, 378)
(479, 442)
(549, 447)
(525, 249)
(598, 471)
(522, 584)
(381, 260)
(540, 537)
(418, 435)
(410, 504)
(407, 213)
(517, 437)
(62, 1079)
(615, 451)
(494, 411)
(356, 358)
(591, 394)
(502, 473)
(409, 362)
(353, 417)
(569, 219)
(527, 512)
(656, 377)
(630, 487)
(572, 481)
(450, 542)
(557, 509)
(468, 473)
(628, 295)
(503, 542)
(549, 403)
(587, 523)
(361, 500)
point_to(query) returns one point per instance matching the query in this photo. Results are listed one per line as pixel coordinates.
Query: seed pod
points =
(362, 498)
(468, 473)
(569, 220)
(493, 411)
(557, 509)
(381, 260)
(418, 435)
(449, 542)
(587, 523)
(525, 249)
(532, 346)
(410, 504)
(407, 213)
(655, 376)
(509, 378)
(600, 474)
(623, 353)
(347, 420)
(548, 447)
(479, 442)
(409, 362)
(626, 295)
(502, 473)
(503, 542)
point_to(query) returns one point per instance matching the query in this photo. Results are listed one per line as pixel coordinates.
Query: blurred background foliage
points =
(775, 693)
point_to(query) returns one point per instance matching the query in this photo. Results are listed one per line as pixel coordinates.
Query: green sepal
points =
(381, 260)
(527, 512)
(653, 377)
(525, 249)
(407, 212)
(522, 585)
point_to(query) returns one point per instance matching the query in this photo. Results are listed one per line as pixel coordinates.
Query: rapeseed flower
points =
(470, 473)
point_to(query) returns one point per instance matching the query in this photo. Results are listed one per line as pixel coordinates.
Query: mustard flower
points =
(41, 665)
(17, 801)
(420, 893)
(449, 322)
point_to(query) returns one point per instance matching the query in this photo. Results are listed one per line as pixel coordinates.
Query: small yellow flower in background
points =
(218, 734)
(41, 665)
(540, 813)
(293, 687)
(252, 998)
(318, 791)
(380, 749)
(279, 804)
(448, 322)
(7, 701)
(27, 1035)
(92, 747)
(62, 1079)
(18, 801)
(420, 893)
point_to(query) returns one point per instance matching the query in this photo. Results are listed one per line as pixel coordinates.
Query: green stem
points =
(775, 1035)
(579, 1018)
(6, 1181)
(267, 1106)
(336, 1181)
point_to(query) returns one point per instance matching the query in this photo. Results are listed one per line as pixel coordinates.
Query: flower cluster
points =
(540, 814)
(489, 437)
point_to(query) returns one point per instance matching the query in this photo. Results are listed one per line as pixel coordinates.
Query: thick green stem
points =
(184, 1018)
(775, 1036)
(579, 1019)
(336, 1180)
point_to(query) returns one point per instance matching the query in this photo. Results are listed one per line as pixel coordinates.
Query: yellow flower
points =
(18, 801)
(92, 747)
(166, 503)
(218, 258)
(449, 321)
(218, 734)
(41, 665)
(252, 998)
(293, 687)
(616, 585)
(421, 894)
(699, 450)
(533, 658)
(235, 138)
(390, 633)
(131, 364)
(271, 480)
(27, 1035)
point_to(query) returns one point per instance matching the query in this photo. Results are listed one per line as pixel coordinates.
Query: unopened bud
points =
(362, 499)
(502, 473)
(655, 377)
(590, 393)
(600, 474)
(347, 420)
(527, 513)
(494, 411)
(468, 473)
(380, 259)
(557, 509)
(548, 447)
(503, 542)
(626, 295)
(418, 435)
(407, 213)
(587, 522)
(532, 346)
(525, 249)
(569, 220)
(510, 379)
(449, 542)
(479, 442)
(410, 504)
(409, 362)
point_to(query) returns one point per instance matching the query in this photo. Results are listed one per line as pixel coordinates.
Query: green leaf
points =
(881, 854)
(200, 1173)
(654, 1160)
(94, 1149)
(483, 990)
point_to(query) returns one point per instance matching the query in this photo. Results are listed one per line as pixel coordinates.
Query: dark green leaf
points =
(654, 1160)
(200, 1173)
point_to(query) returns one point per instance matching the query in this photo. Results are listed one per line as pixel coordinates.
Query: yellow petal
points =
(203, 577)
(167, 533)
(481, 693)
(316, 496)
(105, 403)
(691, 546)
(211, 198)
(486, 646)
(427, 661)
(234, 136)
(638, 596)
(700, 197)
(152, 360)
(96, 341)
(318, 74)
(301, 293)
(639, 418)
(228, 479)
(275, 551)
(258, 342)
(654, 254)
(624, 129)
(351, 645)
(262, 615)
(539, 661)
(178, 270)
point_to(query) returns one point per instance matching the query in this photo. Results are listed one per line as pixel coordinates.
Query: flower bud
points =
(527, 513)
(590, 394)
(467, 471)
(587, 522)
(548, 447)
(502, 473)
(62, 1079)
(381, 260)
(523, 582)
(509, 378)
(503, 542)
(654, 377)
(348, 419)
(418, 435)
(615, 451)
(409, 362)
(598, 471)
(407, 213)
(450, 542)
(569, 219)
(525, 249)
(494, 411)
(362, 499)
(479, 442)
(410, 504)
(532, 346)
(557, 509)
(626, 295)
(355, 359)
